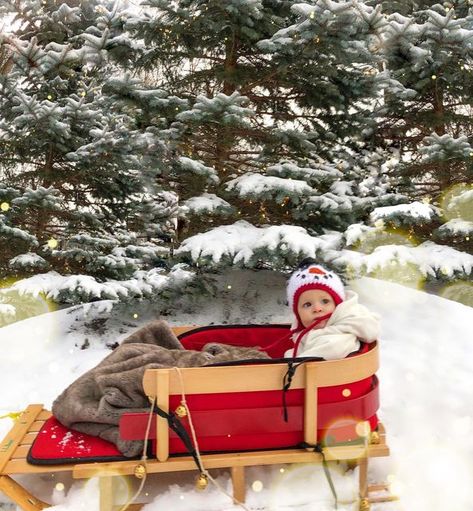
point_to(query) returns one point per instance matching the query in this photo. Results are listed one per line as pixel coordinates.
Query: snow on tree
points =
(429, 58)
(227, 134)
(269, 101)
(78, 178)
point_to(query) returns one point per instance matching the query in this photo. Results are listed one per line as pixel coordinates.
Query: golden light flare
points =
(257, 486)
(53, 243)
(397, 269)
(406, 274)
(363, 429)
(457, 202)
(308, 474)
(396, 487)
(347, 429)
(380, 237)
(460, 291)
(17, 306)
(122, 488)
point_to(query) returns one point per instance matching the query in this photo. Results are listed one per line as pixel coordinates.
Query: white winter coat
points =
(349, 324)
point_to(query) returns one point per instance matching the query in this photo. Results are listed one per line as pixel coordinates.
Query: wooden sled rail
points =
(167, 382)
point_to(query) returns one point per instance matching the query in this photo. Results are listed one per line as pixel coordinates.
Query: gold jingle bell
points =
(374, 437)
(181, 411)
(139, 471)
(202, 482)
(364, 505)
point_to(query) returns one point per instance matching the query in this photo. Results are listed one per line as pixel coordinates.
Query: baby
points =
(329, 322)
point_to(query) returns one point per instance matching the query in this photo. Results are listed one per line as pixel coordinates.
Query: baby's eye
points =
(325, 301)
(306, 304)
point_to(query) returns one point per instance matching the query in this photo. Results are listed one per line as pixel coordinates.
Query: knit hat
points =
(313, 276)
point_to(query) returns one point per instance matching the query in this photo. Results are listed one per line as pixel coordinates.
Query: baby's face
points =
(313, 304)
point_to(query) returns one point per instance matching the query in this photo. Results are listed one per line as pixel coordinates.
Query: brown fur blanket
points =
(94, 402)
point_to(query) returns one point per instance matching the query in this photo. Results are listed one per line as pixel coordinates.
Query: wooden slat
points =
(20, 452)
(21, 466)
(36, 426)
(363, 477)
(106, 488)
(383, 498)
(229, 460)
(261, 377)
(29, 438)
(20, 496)
(310, 405)
(13, 438)
(44, 415)
(378, 487)
(238, 483)
(162, 426)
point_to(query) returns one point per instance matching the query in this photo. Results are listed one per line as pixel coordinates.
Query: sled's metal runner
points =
(161, 383)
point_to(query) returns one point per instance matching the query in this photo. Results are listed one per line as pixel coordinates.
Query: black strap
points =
(286, 383)
(319, 449)
(176, 425)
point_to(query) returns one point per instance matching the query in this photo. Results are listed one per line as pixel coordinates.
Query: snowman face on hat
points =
(313, 277)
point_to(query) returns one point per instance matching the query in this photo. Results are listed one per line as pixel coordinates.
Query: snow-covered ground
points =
(426, 397)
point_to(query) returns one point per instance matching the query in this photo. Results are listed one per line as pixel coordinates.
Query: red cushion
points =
(57, 444)
(274, 339)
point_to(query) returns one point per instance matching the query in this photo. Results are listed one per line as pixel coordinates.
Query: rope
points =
(144, 458)
(204, 471)
(287, 380)
(318, 449)
(175, 424)
(12, 415)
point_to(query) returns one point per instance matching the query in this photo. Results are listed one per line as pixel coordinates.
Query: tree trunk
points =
(224, 138)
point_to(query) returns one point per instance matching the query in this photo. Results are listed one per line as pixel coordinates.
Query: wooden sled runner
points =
(166, 386)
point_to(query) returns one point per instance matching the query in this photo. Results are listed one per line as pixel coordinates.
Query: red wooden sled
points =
(238, 413)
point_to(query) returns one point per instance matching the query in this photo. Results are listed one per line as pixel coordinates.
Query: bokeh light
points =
(460, 291)
(457, 202)
(15, 306)
(347, 429)
(4, 206)
(52, 243)
(300, 476)
(382, 259)
(257, 486)
(381, 237)
(407, 274)
(122, 488)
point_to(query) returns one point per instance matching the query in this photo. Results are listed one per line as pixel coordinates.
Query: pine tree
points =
(426, 113)
(232, 134)
(78, 187)
(265, 105)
